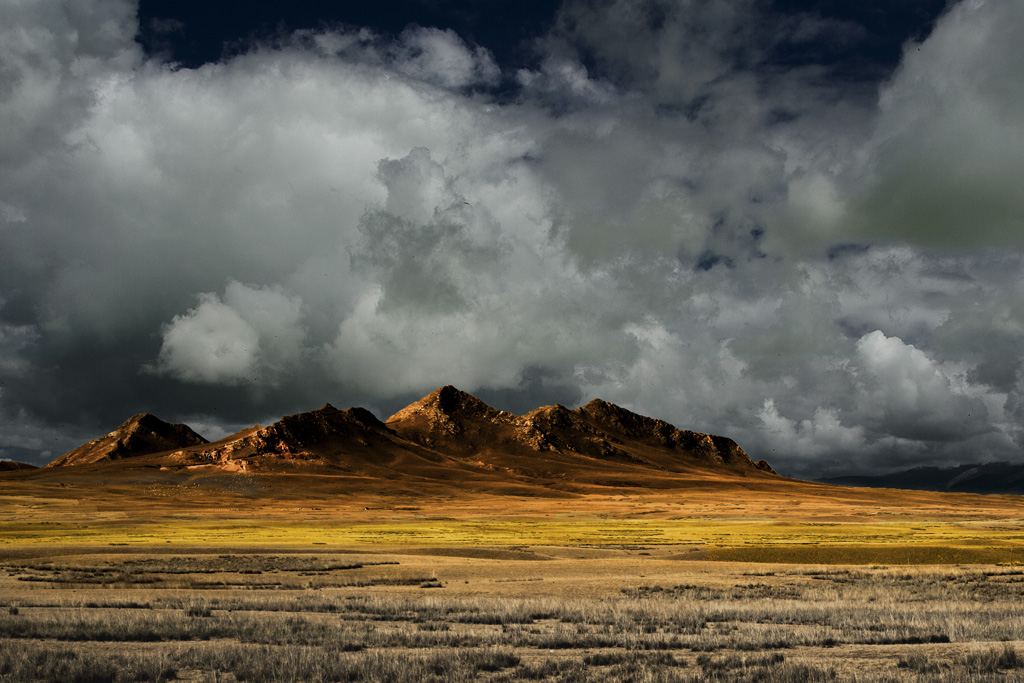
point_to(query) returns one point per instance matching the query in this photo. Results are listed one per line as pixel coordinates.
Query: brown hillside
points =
(142, 434)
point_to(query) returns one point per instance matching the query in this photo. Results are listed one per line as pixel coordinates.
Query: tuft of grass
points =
(994, 660)
(198, 608)
(65, 665)
(918, 663)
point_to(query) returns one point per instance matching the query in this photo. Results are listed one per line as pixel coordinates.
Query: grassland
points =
(508, 615)
(205, 582)
(793, 523)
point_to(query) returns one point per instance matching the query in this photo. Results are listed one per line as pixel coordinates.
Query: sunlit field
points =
(756, 541)
(801, 583)
(791, 522)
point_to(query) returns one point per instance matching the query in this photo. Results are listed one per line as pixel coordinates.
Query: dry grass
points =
(718, 623)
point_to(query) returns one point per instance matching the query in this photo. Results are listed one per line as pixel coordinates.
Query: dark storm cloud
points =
(692, 209)
(947, 146)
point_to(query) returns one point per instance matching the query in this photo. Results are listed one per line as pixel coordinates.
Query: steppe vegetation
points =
(546, 614)
(788, 522)
(239, 579)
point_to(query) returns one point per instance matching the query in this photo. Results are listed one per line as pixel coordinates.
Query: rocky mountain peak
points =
(447, 402)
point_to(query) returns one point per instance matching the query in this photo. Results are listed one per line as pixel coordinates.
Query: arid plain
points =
(616, 565)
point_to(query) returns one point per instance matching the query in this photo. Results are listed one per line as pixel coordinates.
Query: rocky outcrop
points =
(560, 430)
(449, 420)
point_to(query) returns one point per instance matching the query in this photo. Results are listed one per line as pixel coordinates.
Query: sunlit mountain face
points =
(797, 224)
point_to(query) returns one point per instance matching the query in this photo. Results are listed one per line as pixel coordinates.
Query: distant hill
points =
(992, 477)
(12, 466)
(448, 437)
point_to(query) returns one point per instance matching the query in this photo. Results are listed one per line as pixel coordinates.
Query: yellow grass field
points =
(797, 523)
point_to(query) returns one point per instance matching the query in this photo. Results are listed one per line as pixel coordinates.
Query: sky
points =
(796, 223)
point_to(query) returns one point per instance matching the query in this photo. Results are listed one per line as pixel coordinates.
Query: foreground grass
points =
(325, 664)
(330, 618)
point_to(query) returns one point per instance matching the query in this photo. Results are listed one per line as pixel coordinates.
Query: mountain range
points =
(991, 477)
(450, 438)
(446, 437)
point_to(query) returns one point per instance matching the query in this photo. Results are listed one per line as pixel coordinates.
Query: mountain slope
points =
(453, 421)
(142, 434)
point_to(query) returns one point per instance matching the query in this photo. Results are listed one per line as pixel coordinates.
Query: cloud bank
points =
(656, 213)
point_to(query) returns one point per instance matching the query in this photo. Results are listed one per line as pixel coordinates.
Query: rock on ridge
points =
(142, 434)
(455, 422)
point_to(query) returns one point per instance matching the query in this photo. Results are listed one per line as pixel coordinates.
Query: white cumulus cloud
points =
(249, 336)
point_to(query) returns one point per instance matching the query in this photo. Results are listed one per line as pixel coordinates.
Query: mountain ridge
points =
(446, 436)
